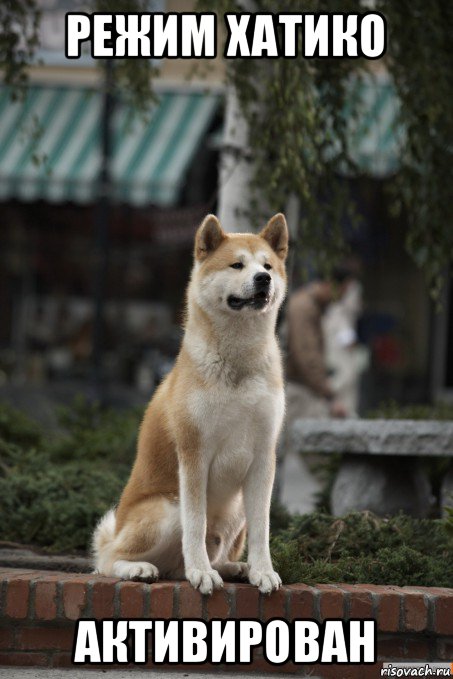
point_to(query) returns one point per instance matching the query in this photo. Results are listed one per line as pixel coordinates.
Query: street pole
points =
(101, 235)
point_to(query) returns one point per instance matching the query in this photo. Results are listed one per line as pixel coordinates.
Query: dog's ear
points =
(276, 234)
(209, 236)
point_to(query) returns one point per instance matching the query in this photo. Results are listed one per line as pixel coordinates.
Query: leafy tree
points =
(19, 41)
(295, 109)
(19, 38)
(421, 64)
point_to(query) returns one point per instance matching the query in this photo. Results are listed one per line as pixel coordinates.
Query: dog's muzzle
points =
(260, 298)
(262, 280)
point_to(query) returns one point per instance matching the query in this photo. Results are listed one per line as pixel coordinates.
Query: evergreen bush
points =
(54, 487)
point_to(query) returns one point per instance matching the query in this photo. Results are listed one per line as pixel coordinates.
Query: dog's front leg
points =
(257, 500)
(193, 487)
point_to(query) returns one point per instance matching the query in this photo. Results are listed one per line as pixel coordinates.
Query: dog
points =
(205, 463)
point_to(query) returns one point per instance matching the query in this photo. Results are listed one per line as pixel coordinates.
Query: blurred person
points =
(346, 359)
(309, 391)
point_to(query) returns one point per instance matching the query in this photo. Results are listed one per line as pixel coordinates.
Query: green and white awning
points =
(50, 142)
(50, 145)
(375, 137)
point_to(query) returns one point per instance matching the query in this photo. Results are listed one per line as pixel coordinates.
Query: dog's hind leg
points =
(146, 542)
(238, 545)
(232, 568)
(135, 570)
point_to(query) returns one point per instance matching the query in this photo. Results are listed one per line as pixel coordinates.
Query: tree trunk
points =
(236, 168)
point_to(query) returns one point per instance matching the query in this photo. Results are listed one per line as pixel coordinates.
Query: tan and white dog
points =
(206, 452)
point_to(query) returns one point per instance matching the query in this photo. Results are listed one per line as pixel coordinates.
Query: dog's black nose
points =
(262, 279)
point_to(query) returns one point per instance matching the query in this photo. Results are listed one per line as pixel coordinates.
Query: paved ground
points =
(70, 673)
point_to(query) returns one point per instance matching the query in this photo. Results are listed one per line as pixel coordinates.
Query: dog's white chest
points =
(226, 413)
(235, 424)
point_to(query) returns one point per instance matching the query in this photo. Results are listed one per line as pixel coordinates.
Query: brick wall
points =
(38, 610)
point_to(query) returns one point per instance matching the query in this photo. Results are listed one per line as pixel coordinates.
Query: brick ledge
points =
(38, 610)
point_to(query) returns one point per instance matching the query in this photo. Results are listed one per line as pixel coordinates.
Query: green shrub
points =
(364, 548)
(92, 433)
(16, 427)
(53, 490)
(54, 506)
(391, 410)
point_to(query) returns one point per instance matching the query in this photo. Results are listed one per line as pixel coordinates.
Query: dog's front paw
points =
(267, 580)
(204, 580)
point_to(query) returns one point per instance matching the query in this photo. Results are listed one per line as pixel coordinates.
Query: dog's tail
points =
(102, 542)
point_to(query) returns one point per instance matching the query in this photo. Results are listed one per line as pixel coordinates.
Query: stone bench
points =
(380, 469)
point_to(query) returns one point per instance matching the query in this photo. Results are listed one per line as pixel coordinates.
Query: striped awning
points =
(375, 136)
(50, 145)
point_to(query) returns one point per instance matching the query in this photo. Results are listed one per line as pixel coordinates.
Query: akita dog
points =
(206, 451)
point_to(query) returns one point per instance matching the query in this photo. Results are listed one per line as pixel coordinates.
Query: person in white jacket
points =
(346, 359)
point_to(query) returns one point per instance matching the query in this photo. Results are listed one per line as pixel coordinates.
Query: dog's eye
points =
(268, 267)
(237, 265)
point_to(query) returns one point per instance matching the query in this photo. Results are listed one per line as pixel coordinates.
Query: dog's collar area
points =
(257, 301)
